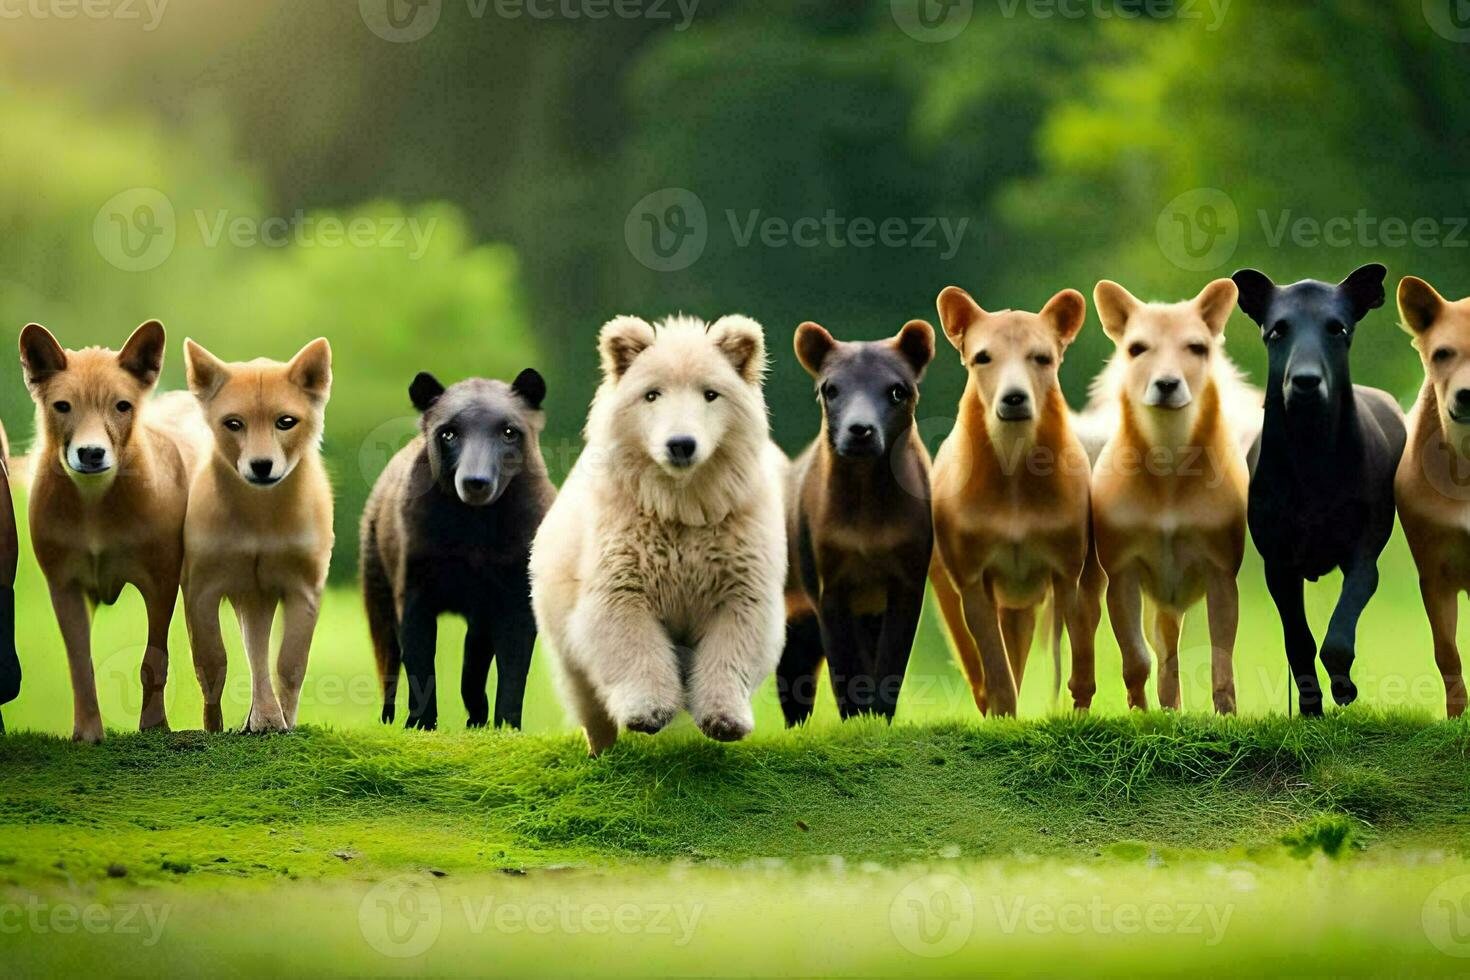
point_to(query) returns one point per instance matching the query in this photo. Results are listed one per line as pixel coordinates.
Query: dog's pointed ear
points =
(957, 312)
(205, 373)
(531, 387)
(1420, 304)
(620, 340)
(1216, 302)
(1256, 293)
(743, 343)
(915, 342)
(1066, 312)
(812, 344)
(424, 391)
(41, 356)
(311, 368)
(1364, 288)
(1114, 306)
(142, 355)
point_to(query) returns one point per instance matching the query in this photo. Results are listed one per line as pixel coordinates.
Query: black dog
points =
(859, 525)
(448, 529)
(1321, 493)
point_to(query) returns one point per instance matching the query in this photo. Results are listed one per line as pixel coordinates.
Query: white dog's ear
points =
(741, 340)
(1066, 312)
(957, 312)
(1216, 302)
(1114, 306)
(621, 340)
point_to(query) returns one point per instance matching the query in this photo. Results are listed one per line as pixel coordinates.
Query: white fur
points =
(659, 589)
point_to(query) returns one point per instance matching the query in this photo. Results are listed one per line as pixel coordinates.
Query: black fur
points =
(448, 529)
(1321, 493)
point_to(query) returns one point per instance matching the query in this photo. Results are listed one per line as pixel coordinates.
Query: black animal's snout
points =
(861, 432)
(1306, 381)
(91, 457)
(681, 450)
(475, 484)
(261, 468)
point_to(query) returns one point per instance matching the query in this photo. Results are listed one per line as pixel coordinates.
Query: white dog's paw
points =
(266, 719)
(727, 726)
(648, 717)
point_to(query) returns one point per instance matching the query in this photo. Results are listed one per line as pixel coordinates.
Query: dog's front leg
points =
(299, 612)
(1125, 609)
(983, 622)
(1222, 600)
(474, 674)
(159, 600)
(418, 637)
(1359, 582)
(896, 640)
(731, 659)
(1285, 587)
(75, 620)
(201, 615)
(515, 639)
(851, 686)
(1441, 602)
(256, 614)
(624, 651)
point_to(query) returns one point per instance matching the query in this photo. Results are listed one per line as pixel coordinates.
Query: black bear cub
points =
(448, 529)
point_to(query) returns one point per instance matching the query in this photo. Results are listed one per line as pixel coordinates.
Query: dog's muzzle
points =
(680, 451)
(1014, 406)
(1169, 393)
(859, 441)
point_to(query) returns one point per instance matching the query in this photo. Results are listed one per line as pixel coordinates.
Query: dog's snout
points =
(1014, 399)
(475, 484)
(1167, 386)
(681, 450)
(1306, 381)
(861, 431)
(1462, 399)
(91, 456)
(261, 468)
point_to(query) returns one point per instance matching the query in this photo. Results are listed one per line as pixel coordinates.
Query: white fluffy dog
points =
(657, 575)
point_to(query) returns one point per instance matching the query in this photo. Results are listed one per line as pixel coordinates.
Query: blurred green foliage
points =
(1063, 135)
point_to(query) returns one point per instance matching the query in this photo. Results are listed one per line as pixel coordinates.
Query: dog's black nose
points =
(475, 484)
(861, 432)
(1306, 381)
(1167, 386)
(1014, 399)
(91, 456)
(1462, 398)
(261, 468)
(681, 450)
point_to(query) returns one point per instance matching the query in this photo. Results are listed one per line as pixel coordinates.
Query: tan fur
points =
(1169, 488)
(95, 534)
(258, 546)
(657, 590)
(1011, 504)
(1432, 486)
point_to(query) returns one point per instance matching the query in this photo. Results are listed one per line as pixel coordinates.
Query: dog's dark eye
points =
(1043, 359)
(1336, 328)
(1444, 354)
(982, 358)
(1277, 331)
(899, 394)
(234, 425)
(124, 406)
(829, 391)
(62, 407)
(286, 422)
(711, 395)
(447, 436)
(1199, 350)
(511, 433)
(1137, 350)
(652, 396)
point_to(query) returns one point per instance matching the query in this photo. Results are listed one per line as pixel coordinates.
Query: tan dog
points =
(108, 497)
(259, 530)
(1169, 488)
(1011, 500)
(1431, 487)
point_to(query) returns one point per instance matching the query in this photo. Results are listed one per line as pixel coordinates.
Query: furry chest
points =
(1174, 565)
(1018, 572)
